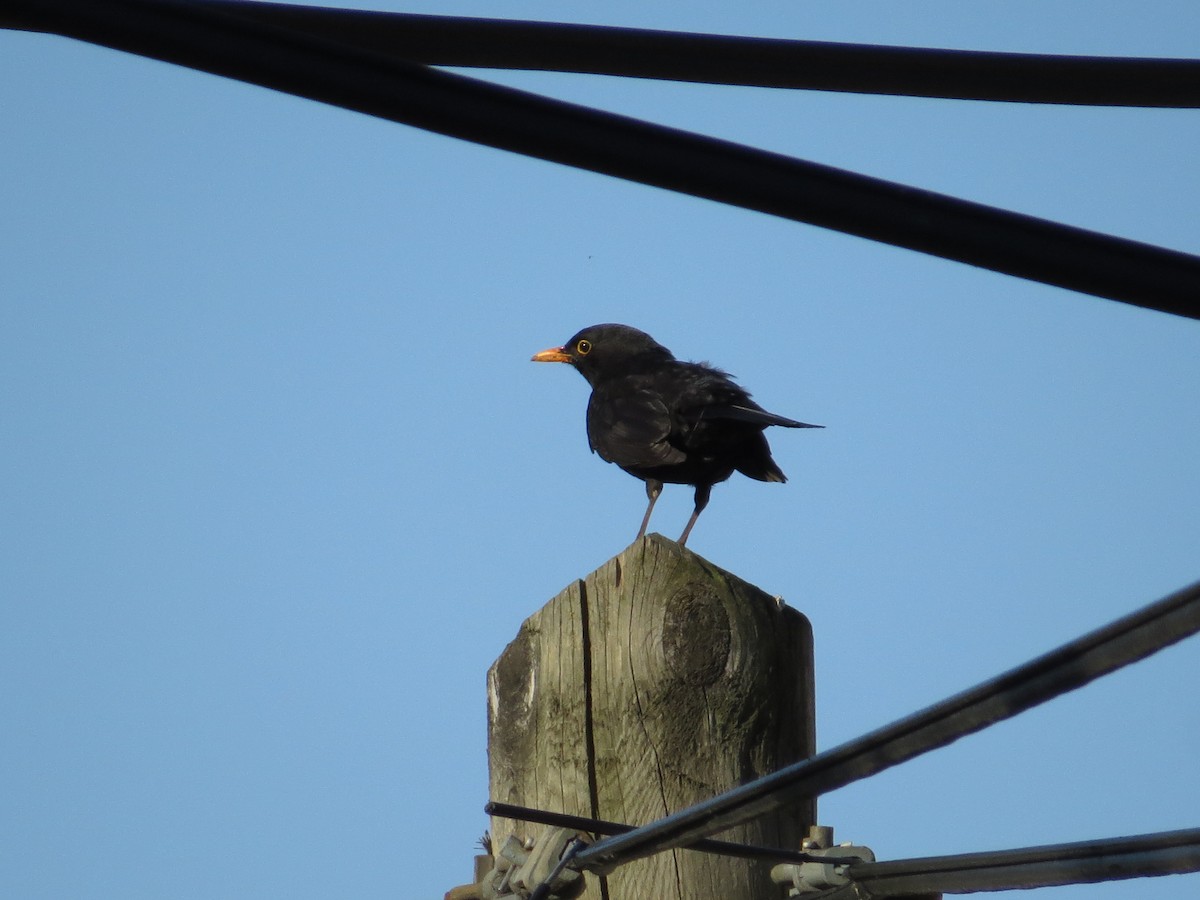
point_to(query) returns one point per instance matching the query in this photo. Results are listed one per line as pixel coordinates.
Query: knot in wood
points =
(696, 635)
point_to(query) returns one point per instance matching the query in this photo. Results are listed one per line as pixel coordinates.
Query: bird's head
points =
(601, 350)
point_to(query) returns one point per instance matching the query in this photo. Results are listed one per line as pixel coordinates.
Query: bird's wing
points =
(631, 429)
(710, 393)
(751, 414)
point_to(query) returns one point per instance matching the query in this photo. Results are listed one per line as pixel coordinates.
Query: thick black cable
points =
(737, 60)
(1072, 665)
(762, 62)
(1082, 862)
(299, 63)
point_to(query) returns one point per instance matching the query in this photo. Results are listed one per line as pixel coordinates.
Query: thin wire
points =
(543, 890)
(303, 64)
(1072, 665)
(603, 826)
(1084, 862)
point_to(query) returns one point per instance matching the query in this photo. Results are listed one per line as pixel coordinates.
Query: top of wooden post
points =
(655, 682)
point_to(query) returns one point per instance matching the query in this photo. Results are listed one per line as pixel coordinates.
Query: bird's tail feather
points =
(754, 416)
(763, 471)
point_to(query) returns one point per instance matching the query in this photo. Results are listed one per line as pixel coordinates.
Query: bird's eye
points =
(583, 348)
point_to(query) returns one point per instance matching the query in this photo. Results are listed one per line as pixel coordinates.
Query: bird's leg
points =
(702, 493)
(653, 489)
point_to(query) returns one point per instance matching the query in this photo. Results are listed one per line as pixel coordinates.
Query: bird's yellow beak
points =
(554, 354)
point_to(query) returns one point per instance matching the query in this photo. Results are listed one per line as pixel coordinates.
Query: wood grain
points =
(656, 682)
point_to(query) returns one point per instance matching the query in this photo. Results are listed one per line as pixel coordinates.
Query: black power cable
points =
(749, 61)
(1081, 862)
(300, 63)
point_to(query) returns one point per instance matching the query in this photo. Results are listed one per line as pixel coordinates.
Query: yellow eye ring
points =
(583, 348)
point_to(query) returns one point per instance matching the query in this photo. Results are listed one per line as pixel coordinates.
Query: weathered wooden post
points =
(654, 683)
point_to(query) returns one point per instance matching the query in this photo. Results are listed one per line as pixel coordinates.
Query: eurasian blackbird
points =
(665, 420)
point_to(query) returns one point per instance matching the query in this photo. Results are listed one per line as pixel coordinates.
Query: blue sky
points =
(279, 482)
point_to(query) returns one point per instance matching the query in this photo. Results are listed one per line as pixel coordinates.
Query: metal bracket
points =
(811, 877)
(525, 867)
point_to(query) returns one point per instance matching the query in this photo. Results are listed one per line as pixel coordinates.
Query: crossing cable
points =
(1070, 666)
(307, 65)
(603, 826)
(748, 61)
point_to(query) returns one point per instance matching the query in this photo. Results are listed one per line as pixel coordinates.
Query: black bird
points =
(665, 420)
